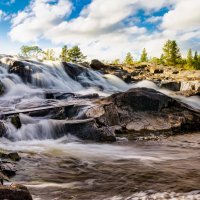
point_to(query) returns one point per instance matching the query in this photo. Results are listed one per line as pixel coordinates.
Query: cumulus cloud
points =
(39, 17)
(107, 29)
(184, 17)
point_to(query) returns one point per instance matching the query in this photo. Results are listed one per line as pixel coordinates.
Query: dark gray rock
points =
(2, 129)
(97, 65)
(14, 192)
(88, 130)
(171, 85)
(2, 89)
(15, 120)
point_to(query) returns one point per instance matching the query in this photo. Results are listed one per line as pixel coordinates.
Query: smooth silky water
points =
(64, 167)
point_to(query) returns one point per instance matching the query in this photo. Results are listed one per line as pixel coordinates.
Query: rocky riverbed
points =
(98, 131)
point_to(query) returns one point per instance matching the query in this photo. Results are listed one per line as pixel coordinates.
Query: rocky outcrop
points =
(21, 70)
(171, 85)
(14, 192)
(97, 65)
(15, 120)
(88, 130)
(143, 111)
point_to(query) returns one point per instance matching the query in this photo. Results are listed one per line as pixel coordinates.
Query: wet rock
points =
(73, 70)
(15, 120)
(127, 78)
(14, 156)
(21, 70)
(97, 65)
(88, 130)
(14, 192)
(142, 111)
(1, 88)
(88, 96)
(2, 129)
(8, 168)
(171, 85)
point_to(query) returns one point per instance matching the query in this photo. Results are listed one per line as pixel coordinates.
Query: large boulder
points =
(143, 111)
(97, 65)
(171, 85)
(14, 192)
(22, 69)
(88, 130)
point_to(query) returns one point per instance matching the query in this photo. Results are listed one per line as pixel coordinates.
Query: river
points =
(66, 167)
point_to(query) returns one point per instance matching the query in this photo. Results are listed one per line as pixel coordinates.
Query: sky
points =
(104, 29)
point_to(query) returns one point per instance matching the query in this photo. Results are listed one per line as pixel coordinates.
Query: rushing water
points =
(68, 168)
(58, 167)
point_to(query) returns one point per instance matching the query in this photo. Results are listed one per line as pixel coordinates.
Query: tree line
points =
(170, 56)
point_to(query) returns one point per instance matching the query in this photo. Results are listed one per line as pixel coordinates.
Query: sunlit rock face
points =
(142, 111)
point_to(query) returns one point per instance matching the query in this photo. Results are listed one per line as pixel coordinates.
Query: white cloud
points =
(107, 29)
(38, 18)
(185, 16)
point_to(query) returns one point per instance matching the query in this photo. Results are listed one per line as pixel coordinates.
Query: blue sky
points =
(104, 29)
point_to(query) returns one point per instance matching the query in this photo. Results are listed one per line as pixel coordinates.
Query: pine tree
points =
(166, 52)
(75, 55)
(175, 53)
(162, 59)
(189, 59)
(64, 54)
(144, 57)
(172, 54)
(196, 61)
(129, 59)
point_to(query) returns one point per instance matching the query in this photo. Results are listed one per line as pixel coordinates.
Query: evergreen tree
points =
(162, 59)
(196, 60)
(129, 59)
(75, 55)
(189, 59)
(166, 52)
(144, 57)
(171, 52)
(64, 54)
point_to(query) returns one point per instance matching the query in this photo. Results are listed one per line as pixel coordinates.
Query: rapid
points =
(56, 166)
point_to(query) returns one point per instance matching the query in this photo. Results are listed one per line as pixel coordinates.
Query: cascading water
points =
(59, 166)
